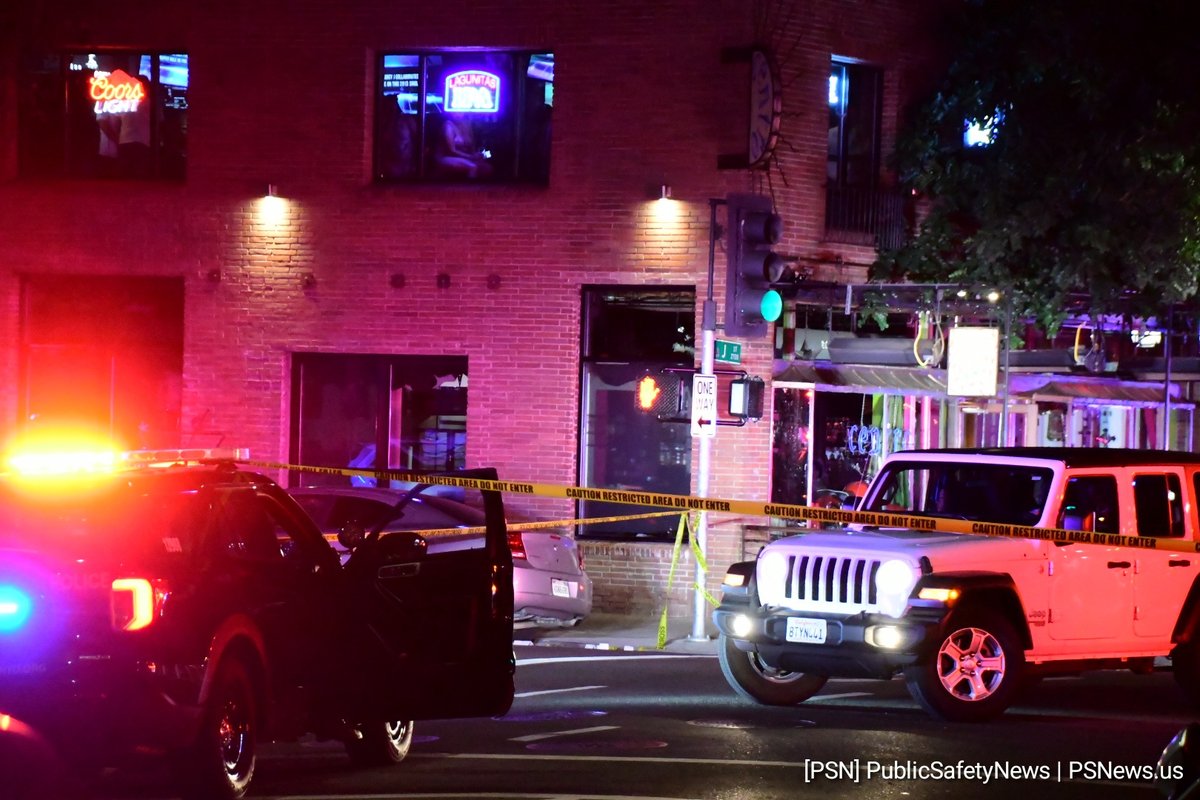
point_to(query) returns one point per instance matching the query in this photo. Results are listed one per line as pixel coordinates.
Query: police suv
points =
(178, 605)
(965, 616)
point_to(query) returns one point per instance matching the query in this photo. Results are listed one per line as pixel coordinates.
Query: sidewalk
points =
(603, 631)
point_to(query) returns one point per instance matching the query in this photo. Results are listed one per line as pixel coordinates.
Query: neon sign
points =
(473, 90)
(117, 92)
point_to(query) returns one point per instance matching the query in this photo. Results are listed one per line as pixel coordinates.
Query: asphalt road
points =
(643, 726)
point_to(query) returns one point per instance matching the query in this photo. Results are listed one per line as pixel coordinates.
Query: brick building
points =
(149, 282)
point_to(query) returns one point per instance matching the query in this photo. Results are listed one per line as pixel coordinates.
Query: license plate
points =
(809, 631)
(560, 588)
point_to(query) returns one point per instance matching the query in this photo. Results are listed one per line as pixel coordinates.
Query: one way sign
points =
(704, 405)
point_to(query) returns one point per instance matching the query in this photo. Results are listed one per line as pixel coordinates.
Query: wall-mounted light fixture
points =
(272, 190)
(664, 192)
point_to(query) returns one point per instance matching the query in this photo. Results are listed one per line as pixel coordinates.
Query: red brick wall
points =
(282, 93)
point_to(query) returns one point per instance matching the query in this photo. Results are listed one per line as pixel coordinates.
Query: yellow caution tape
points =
(684, 523)
(756, 508)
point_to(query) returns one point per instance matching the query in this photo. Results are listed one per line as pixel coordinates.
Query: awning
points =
(1112, 390)
(863, 378)
(829, 377)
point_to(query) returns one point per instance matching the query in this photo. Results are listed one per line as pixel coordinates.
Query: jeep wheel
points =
(975, 671)
(379, 744)
(220, 765)
(754, 680)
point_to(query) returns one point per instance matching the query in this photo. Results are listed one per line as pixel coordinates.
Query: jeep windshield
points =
(1003, 493)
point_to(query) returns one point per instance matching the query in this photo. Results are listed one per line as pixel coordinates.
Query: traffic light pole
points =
(707, 357)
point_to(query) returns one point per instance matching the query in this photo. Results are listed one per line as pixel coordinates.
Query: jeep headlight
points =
(894, 582)
(772, 577)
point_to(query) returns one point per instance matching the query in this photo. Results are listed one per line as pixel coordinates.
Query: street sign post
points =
(704, 406)
(729, 352)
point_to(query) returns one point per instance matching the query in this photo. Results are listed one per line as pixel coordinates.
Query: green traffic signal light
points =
(752, 267)
(771, 305)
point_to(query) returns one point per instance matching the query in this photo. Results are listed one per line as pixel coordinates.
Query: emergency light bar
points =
(53, 462)
(152, 458)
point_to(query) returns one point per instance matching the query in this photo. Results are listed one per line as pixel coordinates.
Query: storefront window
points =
(472, 116)
(790, 446)
(377, 412)
(629, 333)
(105, 114)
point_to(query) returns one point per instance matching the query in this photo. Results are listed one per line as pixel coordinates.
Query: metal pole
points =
(709, 325)
(1166, 441)
(1007, 349)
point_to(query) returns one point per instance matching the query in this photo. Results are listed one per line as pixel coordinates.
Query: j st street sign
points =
(729, 352)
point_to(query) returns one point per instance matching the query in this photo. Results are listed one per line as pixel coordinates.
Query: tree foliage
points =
(1091, 184)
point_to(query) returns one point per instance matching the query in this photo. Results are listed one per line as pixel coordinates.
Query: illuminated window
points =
(367, 411)
(104, 114)
(464, 116)
(855, 111)
(630, 332)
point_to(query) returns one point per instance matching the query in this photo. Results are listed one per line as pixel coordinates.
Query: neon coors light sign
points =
(115, 93)
(474, 91)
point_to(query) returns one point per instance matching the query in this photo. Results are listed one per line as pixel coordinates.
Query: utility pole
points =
(707, 352)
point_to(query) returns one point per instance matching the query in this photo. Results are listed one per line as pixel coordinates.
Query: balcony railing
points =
(865, 216)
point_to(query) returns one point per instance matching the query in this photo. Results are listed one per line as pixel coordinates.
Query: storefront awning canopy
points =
(825, 376)
(864, 378)
(1108, 391)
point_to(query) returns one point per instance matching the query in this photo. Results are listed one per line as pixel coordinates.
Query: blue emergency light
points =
(15, 606)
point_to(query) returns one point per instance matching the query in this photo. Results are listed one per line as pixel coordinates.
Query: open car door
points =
(433, 624)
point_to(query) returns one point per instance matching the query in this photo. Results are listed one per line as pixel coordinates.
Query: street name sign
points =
(704, 405)
(729, 352)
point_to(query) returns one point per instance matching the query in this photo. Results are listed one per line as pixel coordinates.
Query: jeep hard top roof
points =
(1068, 456)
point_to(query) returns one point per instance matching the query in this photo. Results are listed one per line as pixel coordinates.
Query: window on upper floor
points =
(854, 117)
(857, 210)
(470, 116)
(104, 114)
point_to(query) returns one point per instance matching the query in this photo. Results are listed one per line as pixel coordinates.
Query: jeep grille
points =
(831, 583)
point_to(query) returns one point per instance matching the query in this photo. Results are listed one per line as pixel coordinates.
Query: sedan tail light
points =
(516, 544)
(136, 602)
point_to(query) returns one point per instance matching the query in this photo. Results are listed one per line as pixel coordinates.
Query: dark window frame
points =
(527, 157)
(52, 119)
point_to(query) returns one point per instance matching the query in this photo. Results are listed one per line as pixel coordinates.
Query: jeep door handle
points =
(1179, 562)
(1119, 565)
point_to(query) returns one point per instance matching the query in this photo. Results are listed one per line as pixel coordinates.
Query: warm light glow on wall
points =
(272, 212)
(665, 210)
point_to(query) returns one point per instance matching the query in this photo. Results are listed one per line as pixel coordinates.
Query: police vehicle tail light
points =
(136, 602)
(517, 545)
(15, 606)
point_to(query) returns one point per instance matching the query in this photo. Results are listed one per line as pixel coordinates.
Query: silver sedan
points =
(550, 586)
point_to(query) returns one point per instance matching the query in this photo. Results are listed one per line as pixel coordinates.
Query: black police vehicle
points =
(188, 608)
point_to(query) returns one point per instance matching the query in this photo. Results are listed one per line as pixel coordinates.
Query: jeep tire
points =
(974, 670)
(754, 680)
(380, 744)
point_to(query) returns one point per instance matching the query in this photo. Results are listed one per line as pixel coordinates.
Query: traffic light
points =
(751, 266)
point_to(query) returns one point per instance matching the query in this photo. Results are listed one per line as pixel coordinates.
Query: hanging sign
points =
(974, 355)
